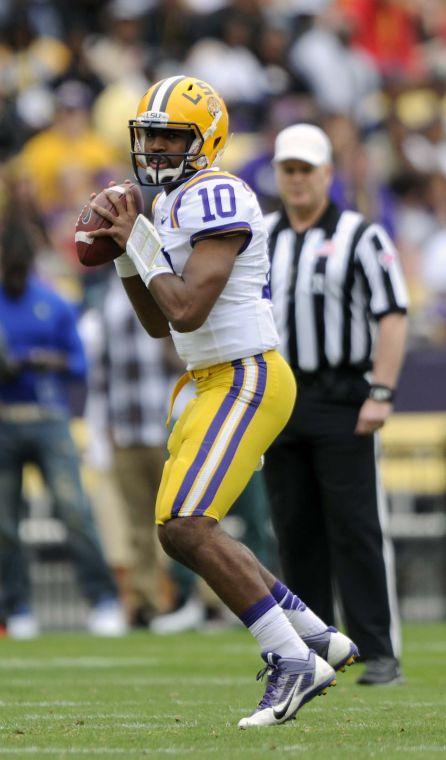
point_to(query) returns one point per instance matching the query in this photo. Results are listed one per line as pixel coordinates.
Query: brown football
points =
(94, 251)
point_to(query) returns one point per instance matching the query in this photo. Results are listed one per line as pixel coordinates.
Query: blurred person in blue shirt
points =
(42, 353)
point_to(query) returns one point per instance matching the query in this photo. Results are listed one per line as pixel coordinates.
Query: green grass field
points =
(74, 696)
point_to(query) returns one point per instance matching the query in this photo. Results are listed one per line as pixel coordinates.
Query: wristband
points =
(381, 393)
(145, 251)
(125, 266)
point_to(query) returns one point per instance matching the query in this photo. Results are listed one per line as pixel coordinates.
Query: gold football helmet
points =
(179, 103)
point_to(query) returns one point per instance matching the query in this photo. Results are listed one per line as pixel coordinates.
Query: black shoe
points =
(383, 671)
(142, 617)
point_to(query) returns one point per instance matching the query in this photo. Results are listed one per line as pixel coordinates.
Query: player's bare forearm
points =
(187, 300)
(147, 310)
(184, 307)
(390, 349)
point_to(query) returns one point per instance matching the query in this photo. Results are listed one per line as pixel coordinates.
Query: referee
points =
(340, 305)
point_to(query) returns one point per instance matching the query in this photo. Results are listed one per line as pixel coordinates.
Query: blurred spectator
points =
(272, 47)
(43, 351)
(68, 145)
(243, 80)
(356, 183)
(387, 30)
(121, 51)
(339, 76)
(26, 56)
(258, 171)
(130, 385)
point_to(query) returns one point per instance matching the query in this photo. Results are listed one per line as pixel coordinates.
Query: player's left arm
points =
(187, 300)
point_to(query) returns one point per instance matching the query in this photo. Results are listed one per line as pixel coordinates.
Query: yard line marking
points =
(183, 681)
(150, 680)
(126, 751)
(22, 663)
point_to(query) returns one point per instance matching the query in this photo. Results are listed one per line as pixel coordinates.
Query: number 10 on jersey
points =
(221, 202)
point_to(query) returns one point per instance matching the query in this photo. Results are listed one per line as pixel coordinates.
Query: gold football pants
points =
(217, 443)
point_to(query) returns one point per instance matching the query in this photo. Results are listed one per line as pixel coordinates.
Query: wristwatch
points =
(381, 393)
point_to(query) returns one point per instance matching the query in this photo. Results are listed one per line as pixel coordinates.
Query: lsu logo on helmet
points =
(179, 103)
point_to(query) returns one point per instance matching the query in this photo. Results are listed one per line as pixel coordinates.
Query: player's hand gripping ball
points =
(94, 251)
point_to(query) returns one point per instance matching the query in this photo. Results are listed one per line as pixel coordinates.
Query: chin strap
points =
(161, 176)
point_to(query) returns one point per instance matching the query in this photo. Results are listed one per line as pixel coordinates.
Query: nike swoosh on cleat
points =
(279, 714)
(163, 219)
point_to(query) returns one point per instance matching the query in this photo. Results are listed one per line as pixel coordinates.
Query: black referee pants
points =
(327, 512)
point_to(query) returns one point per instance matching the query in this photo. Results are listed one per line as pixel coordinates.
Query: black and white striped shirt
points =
(129, 381)
(328, 285)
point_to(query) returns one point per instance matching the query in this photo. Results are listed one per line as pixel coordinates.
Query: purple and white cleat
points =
(291, 683)
(334, 647)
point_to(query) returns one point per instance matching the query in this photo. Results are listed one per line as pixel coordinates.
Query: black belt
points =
(327, 377)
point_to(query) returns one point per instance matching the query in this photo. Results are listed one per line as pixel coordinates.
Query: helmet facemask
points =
(141, 158)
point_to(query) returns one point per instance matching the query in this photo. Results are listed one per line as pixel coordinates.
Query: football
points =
(94, 251)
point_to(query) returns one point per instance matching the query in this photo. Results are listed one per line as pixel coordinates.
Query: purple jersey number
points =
(223, 202)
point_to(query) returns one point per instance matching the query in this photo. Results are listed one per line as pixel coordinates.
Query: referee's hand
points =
(372, 416)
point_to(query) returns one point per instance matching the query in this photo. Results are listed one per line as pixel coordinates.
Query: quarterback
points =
(200, 273)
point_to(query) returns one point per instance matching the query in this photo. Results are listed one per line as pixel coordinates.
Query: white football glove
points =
(144, 249)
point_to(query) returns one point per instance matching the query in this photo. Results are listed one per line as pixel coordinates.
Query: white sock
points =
(275, 633)
(304, 621)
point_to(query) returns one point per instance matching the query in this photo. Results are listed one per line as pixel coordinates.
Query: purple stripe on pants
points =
(237, 436)
(209, 438)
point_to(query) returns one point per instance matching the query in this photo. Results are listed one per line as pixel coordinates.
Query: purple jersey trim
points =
(237, 436)
(257, 610)
(210, 436)
(224, 229)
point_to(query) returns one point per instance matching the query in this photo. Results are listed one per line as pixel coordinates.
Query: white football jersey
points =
(241, 323)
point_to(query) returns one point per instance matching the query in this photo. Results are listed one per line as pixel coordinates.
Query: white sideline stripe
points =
(83, 237)
(388, 556)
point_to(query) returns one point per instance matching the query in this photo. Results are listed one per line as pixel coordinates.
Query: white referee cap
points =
(303, 142)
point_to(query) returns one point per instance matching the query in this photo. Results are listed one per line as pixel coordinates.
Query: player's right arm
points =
(146, 308)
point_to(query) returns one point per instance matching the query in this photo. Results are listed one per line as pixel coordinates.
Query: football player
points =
(201, 274)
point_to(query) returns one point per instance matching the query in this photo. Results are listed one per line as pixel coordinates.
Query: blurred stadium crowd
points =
(372, 73)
